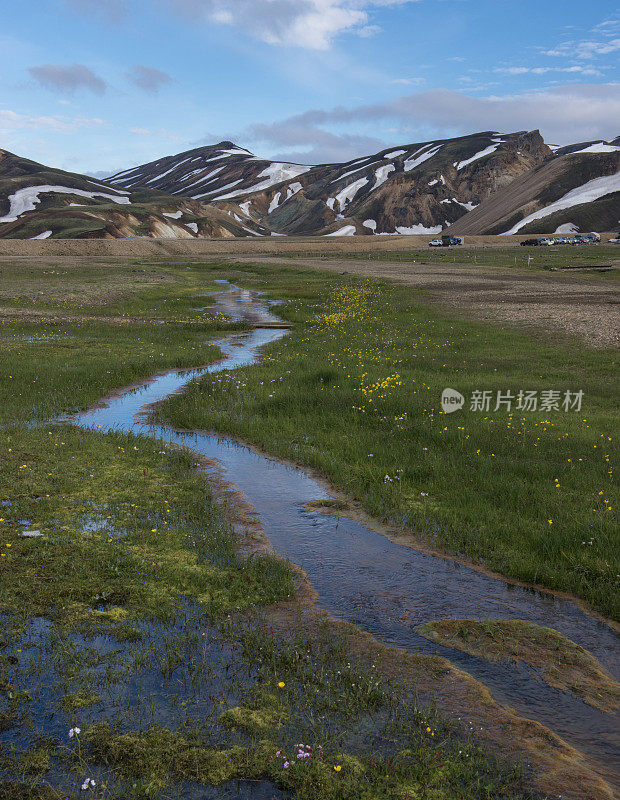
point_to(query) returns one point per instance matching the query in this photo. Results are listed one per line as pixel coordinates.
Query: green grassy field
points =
(547, 258)
(355, 391)
(116, 619)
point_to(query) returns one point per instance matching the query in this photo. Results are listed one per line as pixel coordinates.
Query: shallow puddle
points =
(384, 588)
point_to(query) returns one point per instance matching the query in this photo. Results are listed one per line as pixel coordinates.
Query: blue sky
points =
(100, 85)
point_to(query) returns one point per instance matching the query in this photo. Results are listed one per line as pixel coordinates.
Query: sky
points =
(98, 86)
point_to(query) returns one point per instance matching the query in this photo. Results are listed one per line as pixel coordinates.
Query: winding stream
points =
(362, 577)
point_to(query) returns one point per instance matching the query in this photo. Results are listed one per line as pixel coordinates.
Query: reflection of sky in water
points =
(383, 587)
(211, 674)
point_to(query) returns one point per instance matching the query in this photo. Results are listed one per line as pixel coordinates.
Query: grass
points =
(547, 258)
(54, 368)
(354, 393)
(563, 664)
(122, 618)
(158, 291)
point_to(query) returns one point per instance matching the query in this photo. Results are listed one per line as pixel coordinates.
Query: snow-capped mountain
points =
(577, 190)
(485, 183)
(417, 188)
(219, 172)
(39, 202)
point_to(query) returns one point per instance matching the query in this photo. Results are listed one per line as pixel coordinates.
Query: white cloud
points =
(576, 69)
(311, 24)
(410, 81)
(310, 144)
(12, 121)
(585, 49)
(564, 114)
(148, 79)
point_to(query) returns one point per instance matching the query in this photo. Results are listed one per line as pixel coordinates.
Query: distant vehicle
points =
(530, 243)
(457, 240)
(546, 241)
(435, 243)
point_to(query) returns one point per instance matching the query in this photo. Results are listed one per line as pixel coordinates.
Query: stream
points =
(361, 576)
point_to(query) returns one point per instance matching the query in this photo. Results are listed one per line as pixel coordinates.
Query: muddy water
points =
(385, 588)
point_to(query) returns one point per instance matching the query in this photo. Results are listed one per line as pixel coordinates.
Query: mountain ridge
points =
(482, 183)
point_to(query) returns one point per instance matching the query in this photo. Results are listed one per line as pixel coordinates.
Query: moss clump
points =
(35, 762)
(329, 508)
(252, 720)
(563, 664)
(83, 698)
(167, 756)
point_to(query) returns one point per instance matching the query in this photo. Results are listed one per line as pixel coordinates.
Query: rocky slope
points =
(417, 188)
(485, 183)
(578, 190)
(38, 202)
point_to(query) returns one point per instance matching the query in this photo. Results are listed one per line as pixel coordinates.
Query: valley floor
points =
(186, 665)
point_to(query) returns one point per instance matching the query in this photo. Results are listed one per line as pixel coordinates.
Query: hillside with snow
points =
(40, 202)
(577, 190)
(485, 183)
(422, 187)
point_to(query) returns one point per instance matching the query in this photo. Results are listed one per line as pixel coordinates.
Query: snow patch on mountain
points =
(221, 188)
(417, 230)
(108, 188)
(469, 206)
(27, 198)
(348, 230)
(275, 173)
(353, 171)
(599, 147)
(486, 152)
(168, 171)
(420, 156)
(382, 174)
(346, 195)
(275, 202)
(588, 193)
(293, 189)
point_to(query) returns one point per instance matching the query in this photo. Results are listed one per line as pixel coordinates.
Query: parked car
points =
(530, 243)
(546, 241)
(435, 243)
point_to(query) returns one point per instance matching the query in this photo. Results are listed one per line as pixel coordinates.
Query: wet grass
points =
(354, 393)
(132, 617)
(137, 291)
(563, 664)
(126, 529)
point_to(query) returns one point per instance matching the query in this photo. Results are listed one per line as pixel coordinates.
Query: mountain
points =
(578, 190)
(485, 183)
(216, 172)
(417, 188)
(38, 202)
